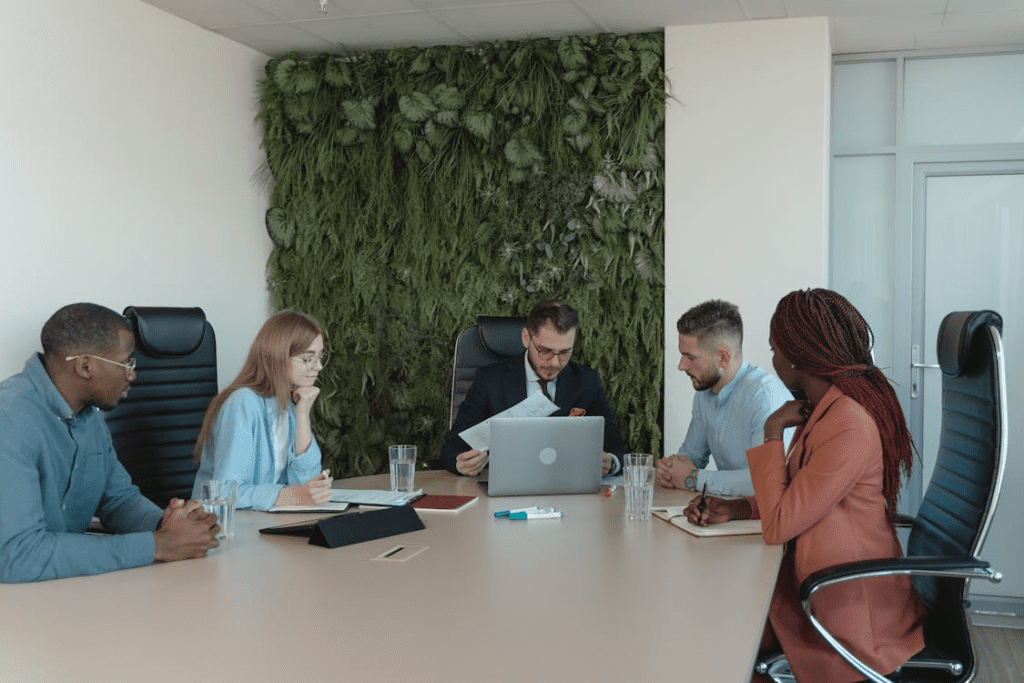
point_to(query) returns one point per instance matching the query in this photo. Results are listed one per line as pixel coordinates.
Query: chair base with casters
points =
(946, 537)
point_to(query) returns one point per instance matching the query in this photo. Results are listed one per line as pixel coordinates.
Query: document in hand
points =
(736, 527)
(479, 435)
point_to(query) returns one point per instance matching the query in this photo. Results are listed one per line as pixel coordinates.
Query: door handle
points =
(916, 367)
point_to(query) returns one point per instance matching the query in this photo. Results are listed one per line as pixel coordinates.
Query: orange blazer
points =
(826, 505)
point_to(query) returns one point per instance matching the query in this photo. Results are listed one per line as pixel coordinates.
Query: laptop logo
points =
(548, 456)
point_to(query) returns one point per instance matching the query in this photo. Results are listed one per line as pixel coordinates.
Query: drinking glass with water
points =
(403, 467)
(218, 496)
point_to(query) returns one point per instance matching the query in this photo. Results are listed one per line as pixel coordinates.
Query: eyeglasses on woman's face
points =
(310, 359)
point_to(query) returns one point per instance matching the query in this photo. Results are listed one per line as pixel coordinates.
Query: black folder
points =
(353, 527)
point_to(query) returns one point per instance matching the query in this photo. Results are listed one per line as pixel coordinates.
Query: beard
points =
(705, 383)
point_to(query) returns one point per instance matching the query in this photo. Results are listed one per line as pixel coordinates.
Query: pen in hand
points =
(700, 506)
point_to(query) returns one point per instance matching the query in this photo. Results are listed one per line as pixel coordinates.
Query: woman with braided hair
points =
(832, 497)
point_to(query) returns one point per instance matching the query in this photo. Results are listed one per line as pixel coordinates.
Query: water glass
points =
(403, 467)
(639, 484)
(638, 460)
(218, 496)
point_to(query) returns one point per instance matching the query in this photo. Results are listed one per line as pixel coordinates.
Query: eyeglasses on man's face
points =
(309, 359)
(547, 354)
(129, 366)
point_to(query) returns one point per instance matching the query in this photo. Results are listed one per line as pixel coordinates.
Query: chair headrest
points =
(500, 335)
(956, 335)
(163, 331)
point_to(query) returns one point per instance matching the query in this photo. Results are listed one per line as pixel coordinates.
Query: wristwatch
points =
(691, 480)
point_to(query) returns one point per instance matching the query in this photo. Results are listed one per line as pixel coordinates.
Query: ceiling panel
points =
(278, 26)
(386, 30)
(526, 21)
(278, 39)
(651, 14)
(216, 14)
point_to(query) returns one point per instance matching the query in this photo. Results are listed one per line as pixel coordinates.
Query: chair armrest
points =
(958, 567)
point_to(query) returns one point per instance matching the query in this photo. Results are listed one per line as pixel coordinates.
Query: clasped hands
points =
(673, 471)
(186, 531)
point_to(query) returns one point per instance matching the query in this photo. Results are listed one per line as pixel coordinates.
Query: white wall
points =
(747, 177)
(128, 150)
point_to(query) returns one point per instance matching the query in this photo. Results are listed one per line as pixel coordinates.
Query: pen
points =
(547, 513)
(610, 490)
(700, 506)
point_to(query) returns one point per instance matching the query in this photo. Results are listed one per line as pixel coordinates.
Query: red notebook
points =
(430, 502)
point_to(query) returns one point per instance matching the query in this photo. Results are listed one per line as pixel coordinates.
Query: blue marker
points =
(506, 513)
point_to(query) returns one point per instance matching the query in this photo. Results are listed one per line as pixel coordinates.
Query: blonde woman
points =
(257, 430)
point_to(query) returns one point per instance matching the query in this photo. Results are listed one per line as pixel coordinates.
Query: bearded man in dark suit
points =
(548, 339)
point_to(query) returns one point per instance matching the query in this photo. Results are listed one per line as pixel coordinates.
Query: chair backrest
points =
(155, 428)
(493, 338)
(961, 497)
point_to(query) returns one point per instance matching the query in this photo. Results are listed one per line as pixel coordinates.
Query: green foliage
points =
(414, 189)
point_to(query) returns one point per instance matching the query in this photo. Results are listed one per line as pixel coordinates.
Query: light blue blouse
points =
(727, 423)
(242, 449)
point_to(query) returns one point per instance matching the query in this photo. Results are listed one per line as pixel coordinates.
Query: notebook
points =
(736, 527)
(542, 455)
(433, 502)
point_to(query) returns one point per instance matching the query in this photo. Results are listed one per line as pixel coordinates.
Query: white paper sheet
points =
(479, 435)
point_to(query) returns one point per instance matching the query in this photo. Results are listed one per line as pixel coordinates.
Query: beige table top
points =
(589, 597)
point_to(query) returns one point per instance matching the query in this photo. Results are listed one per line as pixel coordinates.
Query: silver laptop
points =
(539, 455)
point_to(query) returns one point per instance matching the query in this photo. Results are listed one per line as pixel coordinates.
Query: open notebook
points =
(736, 527)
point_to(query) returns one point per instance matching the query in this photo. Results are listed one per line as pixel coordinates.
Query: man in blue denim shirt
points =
(58, 467)
(733, 400)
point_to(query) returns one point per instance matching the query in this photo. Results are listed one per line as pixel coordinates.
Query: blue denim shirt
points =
(727, 423)
(242, 449)
(57, 471)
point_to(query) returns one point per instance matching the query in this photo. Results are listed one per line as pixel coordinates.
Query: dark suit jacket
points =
(501, 385)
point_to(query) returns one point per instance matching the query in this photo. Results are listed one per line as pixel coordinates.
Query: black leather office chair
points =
(947, 534)
(493, 338)
(155, 428)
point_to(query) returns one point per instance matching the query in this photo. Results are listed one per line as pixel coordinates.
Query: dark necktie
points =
(544, 388)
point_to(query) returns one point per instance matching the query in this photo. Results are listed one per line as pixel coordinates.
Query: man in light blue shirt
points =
(58, 467)
(733, 400)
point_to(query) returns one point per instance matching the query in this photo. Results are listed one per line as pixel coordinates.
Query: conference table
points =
(592, 596)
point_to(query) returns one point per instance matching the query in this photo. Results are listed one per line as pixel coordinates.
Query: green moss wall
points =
(414, 189)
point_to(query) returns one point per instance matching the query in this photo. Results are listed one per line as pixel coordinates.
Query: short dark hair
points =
(81, 328)
(559, 314)
(712, 319)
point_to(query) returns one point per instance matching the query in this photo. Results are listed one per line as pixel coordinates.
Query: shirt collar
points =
(40, 379)
(723, 395)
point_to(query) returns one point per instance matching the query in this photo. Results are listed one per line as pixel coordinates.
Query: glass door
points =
(968, 254)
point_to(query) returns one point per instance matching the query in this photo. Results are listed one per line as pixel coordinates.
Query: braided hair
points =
(822, 334)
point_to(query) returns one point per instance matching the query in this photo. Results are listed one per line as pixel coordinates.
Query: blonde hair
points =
(284, 335)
